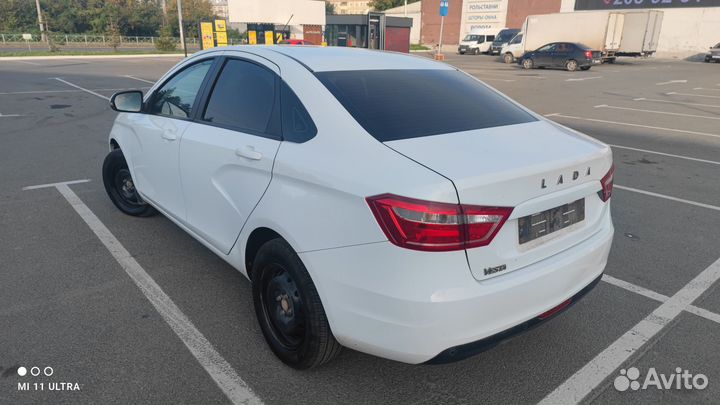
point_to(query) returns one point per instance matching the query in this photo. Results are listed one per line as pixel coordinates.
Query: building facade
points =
(268, 19)
(351, 6)
(689, 27)
(220, 8)
(413, 10)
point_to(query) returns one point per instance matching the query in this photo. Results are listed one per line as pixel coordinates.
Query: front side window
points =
(243, 97)
(176, 97)
(518, 39)
(547, 48)
(411, 103)
(469, 38)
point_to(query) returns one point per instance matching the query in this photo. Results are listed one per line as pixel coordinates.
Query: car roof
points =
(323, 59)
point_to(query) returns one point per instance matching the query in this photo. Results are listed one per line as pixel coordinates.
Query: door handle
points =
(169, 135)
(248, 152)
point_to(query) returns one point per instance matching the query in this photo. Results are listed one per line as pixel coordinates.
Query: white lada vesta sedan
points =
(383, 202)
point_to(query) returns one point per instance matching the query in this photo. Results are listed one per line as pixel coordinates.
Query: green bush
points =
(165, 42)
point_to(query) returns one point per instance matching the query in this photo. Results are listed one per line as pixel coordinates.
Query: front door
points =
(226, 157)
(544, 55)
(155, 152)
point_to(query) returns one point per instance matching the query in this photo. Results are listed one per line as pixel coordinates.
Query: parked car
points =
(362, 220)
(476, 42)
(561, 54)
(295, 42)
(501, 39)
(713, 54)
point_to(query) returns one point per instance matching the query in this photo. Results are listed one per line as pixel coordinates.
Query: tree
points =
(329, 7)
(380, 5)
(165, 42)
(193, 12)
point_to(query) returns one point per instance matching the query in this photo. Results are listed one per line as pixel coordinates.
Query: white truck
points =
(641, 31)
(599, 30)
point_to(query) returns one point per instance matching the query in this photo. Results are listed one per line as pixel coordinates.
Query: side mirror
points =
(127, 101)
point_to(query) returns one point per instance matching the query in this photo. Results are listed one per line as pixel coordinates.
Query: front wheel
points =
(120, 186)
(475, 51)
(288, 308)
(508, 58)
(571, 65)
(527, 64)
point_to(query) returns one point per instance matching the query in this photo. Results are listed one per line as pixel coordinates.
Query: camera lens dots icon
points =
(22, 371)
(627, 379)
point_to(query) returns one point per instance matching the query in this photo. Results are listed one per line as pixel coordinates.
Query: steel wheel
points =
(508, 58)
(571, 65)
(282, 307)
(527, 64)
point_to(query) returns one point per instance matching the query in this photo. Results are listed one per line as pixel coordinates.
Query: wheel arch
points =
(257, 238)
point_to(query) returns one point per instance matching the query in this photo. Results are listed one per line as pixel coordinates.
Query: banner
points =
(206, 33)
(640, 4)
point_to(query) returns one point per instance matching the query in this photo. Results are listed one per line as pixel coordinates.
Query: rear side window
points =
(243, 98)
(297, 126)
(402, 104)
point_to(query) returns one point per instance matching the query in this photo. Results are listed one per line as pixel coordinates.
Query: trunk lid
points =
(532, 167)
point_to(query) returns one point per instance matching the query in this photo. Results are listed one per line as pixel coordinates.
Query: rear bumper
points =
(416, 307)
(470, 349)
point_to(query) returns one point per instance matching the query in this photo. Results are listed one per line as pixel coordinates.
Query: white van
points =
(475, 42)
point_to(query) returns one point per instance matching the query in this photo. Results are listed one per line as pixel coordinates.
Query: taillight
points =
(432, 226)
(607, 184)
(588, 54)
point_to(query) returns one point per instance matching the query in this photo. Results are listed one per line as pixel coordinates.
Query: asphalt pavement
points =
(67, 303)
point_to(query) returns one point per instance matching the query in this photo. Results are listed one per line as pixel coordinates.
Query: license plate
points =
(544, 223)
(716, 56)
(596, 60)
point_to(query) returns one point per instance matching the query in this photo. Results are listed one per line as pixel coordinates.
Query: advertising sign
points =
(639, 4)
(269, 38)
(486, 15)
(222, 39)
(206, 34)
(252, 37)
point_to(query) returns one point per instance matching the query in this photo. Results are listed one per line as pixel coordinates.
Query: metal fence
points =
(92, 40)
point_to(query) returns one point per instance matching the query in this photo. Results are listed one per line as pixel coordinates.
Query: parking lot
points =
(134, 310)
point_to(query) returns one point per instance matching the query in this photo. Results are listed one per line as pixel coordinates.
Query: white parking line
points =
(654, 100)
(28, 63)
(584, 78)
(585, 380)
(668, 197)
(139, 79)
(705, 88)
(656, 112)
(216, 366)
(10, 115)
(635, 125)
(712, 162)
(670, 82)
(83, 89)
(674, 93)
(11, 93)
(704, 313)
(494, 79)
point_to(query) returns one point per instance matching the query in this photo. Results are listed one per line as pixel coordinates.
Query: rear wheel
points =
(508, 58)
(527, 64)
(289, 310)
(571, 65)
(120, 186)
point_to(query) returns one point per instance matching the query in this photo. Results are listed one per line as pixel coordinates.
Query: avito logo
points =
(680, 380)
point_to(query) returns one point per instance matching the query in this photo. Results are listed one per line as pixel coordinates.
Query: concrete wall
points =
(518, 10)
(414, 11)
(430, 31)
(685, 31)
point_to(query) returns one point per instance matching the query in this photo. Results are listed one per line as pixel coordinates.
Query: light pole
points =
(40, 21)
(180, 26)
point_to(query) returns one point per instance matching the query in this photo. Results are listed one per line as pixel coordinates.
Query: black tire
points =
(508, 58)
(571, 65)
(121, 188)
(289, 310)
(528, 63)
(476, 51)
(585, 68)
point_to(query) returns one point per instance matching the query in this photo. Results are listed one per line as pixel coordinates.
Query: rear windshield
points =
(402, 104)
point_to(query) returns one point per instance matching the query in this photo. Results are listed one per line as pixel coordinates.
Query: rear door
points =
(562, 53)
(226, 156)
(613, 35)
